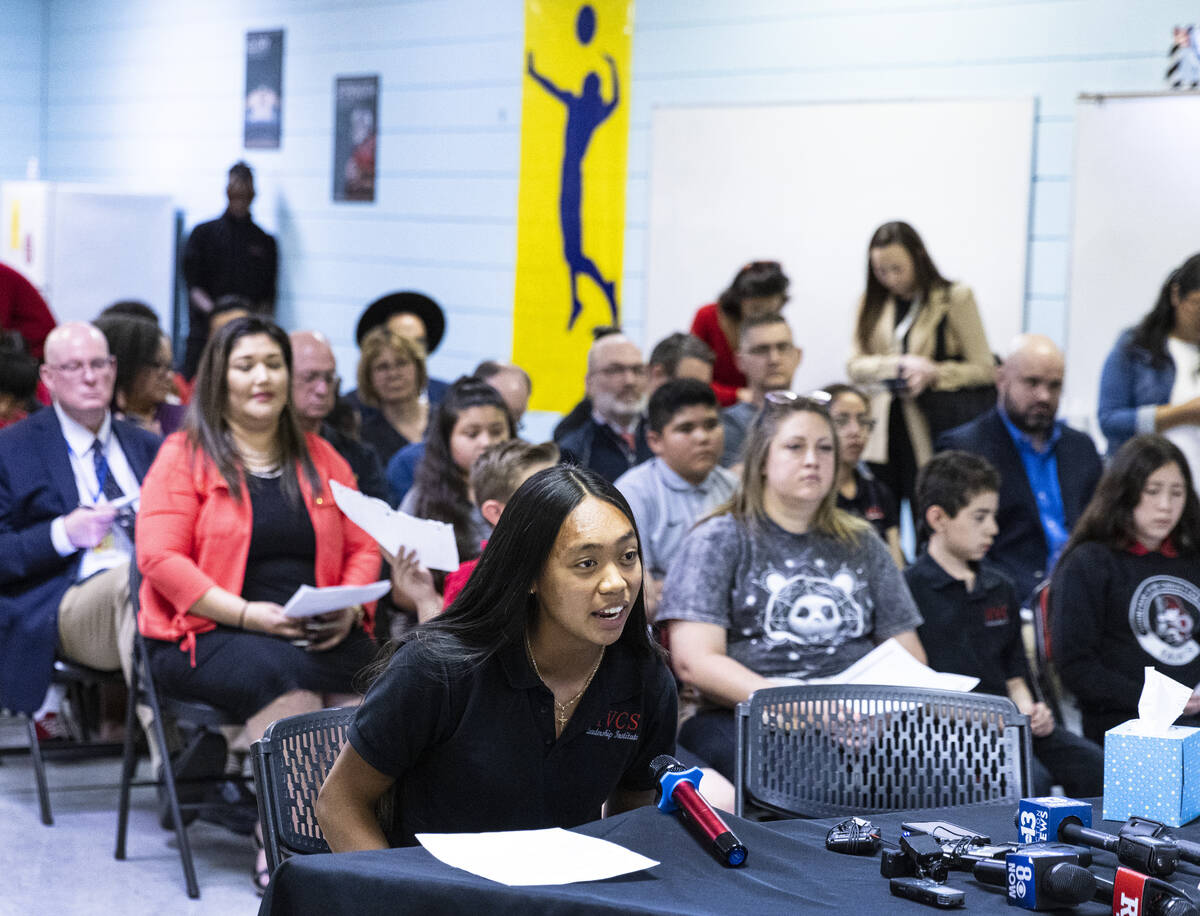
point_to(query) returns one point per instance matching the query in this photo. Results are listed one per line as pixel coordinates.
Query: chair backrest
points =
(290, 762)
(820, 751)
(1039, 651)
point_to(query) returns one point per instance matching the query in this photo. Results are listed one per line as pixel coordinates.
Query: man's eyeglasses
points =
(617, 369)
(332, 379)
(76, 366)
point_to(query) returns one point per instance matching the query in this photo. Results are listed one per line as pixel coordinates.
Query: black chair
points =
(828, 750)
(79, 680)
(290, 762)
(143, 691)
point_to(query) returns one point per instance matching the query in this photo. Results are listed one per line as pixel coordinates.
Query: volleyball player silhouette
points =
(585, 112)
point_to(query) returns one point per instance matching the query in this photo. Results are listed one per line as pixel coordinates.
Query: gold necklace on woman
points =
(261, 463)
(560, 709)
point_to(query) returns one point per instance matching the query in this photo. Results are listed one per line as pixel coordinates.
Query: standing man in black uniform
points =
(230, 254)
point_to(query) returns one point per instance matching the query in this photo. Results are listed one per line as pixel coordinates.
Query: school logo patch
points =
(1163, 615)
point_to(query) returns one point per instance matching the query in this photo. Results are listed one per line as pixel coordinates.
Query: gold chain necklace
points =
(560, 709)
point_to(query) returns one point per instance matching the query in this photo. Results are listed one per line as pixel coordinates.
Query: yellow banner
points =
(571, 205)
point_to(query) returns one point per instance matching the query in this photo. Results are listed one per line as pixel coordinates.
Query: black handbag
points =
(944, 410)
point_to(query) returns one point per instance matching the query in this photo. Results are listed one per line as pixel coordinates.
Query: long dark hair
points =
(134, 342)
(208, 429)
(442, 488)
(928, 277)
(1152, 331)
(1108, 518)
(494, 608)
(758, 279)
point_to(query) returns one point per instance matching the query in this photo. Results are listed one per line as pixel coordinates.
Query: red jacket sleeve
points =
(727, 378)
(167, 524)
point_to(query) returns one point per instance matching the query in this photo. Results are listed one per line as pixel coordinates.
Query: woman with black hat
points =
(412, 315)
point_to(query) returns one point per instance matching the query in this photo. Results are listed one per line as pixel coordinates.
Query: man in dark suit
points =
(314, 394)
(613, 439)
(65, 546)
(1048, 471)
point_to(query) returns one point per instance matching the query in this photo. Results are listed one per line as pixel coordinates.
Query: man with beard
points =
(1048, 471)
(614, 438)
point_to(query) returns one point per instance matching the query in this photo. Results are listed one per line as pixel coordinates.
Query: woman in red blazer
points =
(236, 513)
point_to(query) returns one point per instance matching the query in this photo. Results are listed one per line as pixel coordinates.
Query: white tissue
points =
(1162, 700)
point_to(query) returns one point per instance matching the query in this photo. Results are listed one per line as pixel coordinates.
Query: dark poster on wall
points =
(264, 90)
(355, 127)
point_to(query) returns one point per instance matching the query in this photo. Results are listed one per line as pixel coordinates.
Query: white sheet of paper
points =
(392, 529)
(891, 665)
(309, 601)
(527, 857)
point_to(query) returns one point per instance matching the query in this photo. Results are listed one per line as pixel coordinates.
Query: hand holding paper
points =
(309, 602)
(433, 541)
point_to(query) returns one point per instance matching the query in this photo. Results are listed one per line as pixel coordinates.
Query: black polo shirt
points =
(977, 633)
(473, 749)
(873, 501)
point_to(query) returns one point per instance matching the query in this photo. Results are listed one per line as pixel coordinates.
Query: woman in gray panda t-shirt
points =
(780, 582)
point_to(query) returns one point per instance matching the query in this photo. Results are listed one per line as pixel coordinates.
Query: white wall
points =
(705, 51)
(149, 93)
(21, 85)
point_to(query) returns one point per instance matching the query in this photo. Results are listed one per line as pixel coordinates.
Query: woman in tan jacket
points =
(895, 344)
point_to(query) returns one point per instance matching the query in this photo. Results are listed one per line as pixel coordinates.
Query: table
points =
(788, 871)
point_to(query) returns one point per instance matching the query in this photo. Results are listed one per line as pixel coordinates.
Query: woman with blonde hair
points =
(391, 377)
(779, 582)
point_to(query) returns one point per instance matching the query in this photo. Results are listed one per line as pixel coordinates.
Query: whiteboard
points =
(85, 247)
(1136, 218)
(807, 184)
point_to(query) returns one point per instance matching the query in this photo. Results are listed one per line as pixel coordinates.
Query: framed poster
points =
(355, 127)
(264, 90)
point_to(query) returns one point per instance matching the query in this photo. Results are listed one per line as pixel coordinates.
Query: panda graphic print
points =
(792, 605)
(811, 609)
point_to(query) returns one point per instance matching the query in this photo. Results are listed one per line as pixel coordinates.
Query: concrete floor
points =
(69, 868)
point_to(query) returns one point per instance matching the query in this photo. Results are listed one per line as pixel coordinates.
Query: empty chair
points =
(290, 762)
(820, 751)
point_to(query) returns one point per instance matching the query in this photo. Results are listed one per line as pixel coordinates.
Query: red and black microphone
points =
(1133, 892)
(677, 790)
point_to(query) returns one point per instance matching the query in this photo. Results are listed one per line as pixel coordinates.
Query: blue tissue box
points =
(1152, 772)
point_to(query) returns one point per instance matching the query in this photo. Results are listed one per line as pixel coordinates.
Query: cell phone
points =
(896, 385)
(925, 890)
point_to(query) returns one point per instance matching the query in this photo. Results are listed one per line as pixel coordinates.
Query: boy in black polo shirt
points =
(972, 617)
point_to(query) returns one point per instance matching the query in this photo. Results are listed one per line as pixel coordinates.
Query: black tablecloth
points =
(788, 871)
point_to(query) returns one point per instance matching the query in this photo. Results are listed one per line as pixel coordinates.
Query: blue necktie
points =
(108, 486)
(111, 489)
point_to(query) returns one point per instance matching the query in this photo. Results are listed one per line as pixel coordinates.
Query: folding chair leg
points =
(185, 848)
(158, 735)
(128, 767)
(39, 772)
(168, 777)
